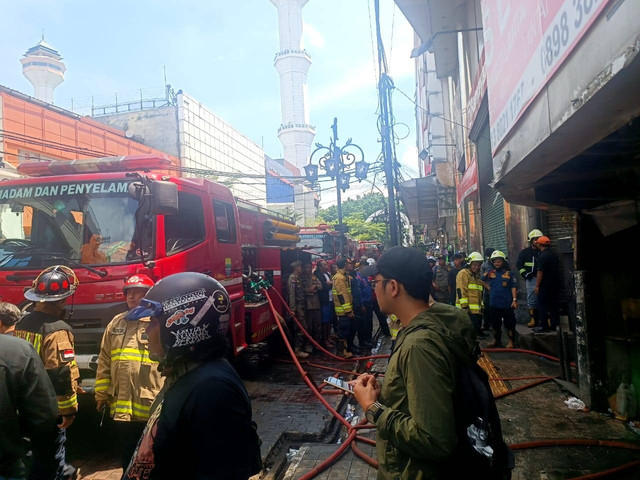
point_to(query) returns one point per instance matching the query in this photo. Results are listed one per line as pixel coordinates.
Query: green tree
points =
(360, 207)
(361, 230)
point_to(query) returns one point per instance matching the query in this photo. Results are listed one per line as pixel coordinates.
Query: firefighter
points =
(469, 288)
(528, 268)
(200, 424)
(52, 338)
(127, 380)
(343, 303)
(502, 299)
(297, 304)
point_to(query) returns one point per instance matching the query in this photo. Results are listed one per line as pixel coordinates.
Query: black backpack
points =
(481, 452)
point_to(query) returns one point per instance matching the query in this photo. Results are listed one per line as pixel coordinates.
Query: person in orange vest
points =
(127, 380)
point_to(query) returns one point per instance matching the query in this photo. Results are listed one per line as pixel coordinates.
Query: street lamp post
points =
(337, 162)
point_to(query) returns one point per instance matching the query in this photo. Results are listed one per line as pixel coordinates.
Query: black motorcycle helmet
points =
(53, 284)
(192, 310)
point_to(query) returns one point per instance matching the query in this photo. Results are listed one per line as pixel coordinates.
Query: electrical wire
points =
(442, 117)
(373, 53)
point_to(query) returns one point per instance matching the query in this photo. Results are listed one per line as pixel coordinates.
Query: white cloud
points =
(364, 75)
(312, 36)
(357, 78)
(409, 159)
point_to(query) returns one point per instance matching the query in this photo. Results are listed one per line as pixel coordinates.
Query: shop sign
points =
(526, 41)
(469, 182)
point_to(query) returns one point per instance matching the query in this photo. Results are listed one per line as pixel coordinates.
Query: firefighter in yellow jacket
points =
(52, 338)
(127, 380)
(343, 303)
(469, 288)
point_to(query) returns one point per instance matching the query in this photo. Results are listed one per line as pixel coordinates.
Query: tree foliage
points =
(360, 207)
(355, 212)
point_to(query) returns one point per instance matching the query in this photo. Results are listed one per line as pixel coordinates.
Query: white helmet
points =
(371, 261)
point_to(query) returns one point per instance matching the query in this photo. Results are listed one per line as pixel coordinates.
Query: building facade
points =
(34, 130)
(202, 140)
(548, 99)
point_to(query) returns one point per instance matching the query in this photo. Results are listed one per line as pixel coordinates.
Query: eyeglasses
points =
(384, 281)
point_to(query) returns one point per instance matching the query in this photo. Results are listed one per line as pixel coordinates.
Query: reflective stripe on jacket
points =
(469, 291)
(127, 378)
(53, 341)
(342, 286)
(528, 262)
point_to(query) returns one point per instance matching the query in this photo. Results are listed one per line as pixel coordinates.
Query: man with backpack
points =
(435, 415)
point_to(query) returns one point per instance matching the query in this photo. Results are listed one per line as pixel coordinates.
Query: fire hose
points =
(352, 430)
(312, 340)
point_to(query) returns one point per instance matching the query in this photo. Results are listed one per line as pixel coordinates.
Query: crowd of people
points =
(154, 376)
(335, 300)
(163, 377)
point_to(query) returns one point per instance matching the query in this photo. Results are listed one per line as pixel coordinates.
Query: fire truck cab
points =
(110, 218)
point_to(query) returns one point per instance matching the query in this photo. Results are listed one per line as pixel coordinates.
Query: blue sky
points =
(221, 52)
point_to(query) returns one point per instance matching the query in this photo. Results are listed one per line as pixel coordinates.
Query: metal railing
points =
(120, 102)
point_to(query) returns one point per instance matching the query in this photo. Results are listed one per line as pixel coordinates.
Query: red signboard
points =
(469, 182)
(478, 90)
(526, 41)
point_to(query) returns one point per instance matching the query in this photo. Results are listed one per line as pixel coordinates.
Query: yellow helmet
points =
(535, 233)
(498, 254)
(475, 257)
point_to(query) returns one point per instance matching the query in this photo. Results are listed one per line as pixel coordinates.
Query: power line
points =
(442, 117)
(393, 24)
(373, 53)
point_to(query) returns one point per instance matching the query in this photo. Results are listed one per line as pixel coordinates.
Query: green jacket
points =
(416, 432)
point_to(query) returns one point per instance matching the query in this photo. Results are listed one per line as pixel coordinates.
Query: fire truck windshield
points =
(89, 223)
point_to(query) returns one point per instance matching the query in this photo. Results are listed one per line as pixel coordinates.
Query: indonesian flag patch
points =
(68, 355)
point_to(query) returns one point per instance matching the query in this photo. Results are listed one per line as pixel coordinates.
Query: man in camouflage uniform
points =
(297, 306)
(312, 286)
(52, 338)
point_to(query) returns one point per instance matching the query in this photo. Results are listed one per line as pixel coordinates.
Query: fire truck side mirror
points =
(164, 198)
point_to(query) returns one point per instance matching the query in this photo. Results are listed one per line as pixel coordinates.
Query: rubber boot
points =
(300, 353)
(533, 315)
(497, 339)
(510, 343)
(342, 347)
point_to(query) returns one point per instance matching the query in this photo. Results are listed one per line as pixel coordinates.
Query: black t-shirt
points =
(324, 293)
(203, 430)
(453, 273)
(549, 265)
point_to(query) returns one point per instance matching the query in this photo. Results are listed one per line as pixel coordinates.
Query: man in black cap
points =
(414, 411)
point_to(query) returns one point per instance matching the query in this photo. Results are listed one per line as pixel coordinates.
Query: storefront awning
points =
(469, 182)
(420, 199)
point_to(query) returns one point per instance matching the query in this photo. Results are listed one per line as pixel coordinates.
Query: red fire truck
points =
(110, 218)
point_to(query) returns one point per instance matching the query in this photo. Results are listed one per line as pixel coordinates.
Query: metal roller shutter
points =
(494, 232)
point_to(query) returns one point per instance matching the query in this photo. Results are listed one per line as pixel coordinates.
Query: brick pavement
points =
(534, 414)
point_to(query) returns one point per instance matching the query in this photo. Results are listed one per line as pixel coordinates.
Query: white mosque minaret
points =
(292, 63)
(43, 67)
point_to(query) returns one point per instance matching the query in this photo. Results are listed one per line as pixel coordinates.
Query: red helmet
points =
(139, 280)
